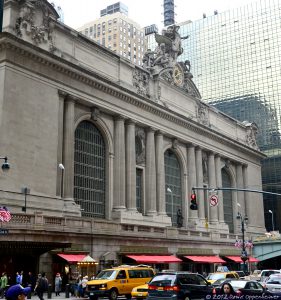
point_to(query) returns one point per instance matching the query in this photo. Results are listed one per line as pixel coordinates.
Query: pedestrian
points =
(41, 285)
(227, 290)
(18, 278)
(3, 285)
(58, 282)
(17, 292)
(31, 280)
(84, 285)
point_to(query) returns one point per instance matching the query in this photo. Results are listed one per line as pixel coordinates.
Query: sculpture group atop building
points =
(163, 62)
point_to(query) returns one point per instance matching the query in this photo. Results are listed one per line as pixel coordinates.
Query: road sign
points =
(214, 200)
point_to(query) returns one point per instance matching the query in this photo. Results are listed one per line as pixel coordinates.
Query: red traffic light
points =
(193, 205)
(193, 197)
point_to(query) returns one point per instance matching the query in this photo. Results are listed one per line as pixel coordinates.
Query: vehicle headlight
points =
(103, 286)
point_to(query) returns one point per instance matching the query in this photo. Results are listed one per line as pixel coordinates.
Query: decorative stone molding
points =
(203, 114)
(251, 136)
(205, 167)
(141, 82)
(34, 22)
(95, 113)
(140, 145)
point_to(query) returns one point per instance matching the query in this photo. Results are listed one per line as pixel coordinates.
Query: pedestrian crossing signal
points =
(193, 205)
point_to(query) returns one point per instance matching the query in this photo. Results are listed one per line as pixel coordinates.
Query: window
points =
(173, 185)
(227, 201)
(139, 187)
(89, 170)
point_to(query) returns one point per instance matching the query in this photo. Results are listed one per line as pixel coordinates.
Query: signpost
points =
(214, 200)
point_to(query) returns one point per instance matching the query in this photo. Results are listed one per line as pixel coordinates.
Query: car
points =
(212, 277)
(241, 274)
(266, 273)
(178, 285)
(140, 292)
(244, 287)
(273, 283)
(118, 281)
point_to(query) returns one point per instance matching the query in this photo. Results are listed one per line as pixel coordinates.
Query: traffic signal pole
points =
(233, 189)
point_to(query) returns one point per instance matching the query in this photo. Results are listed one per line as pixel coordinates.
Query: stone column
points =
(219, 184)
(68, 147)
(246, 194)
(130, 166)
(240, 185)
(62, 96)
(212, 184)
(150, 176)
(119, 164)
(199, 180)
(160, 175)
(191, 166)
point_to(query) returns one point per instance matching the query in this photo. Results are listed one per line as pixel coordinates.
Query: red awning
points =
(206, 259)
(239, 260)
(72, 257)
(155, 259)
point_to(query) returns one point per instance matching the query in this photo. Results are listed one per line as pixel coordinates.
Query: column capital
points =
(71, 98)
(198, 148)
(62, 94)
(217, 155)
(190, 145)
(130, 122)
(159, 132)
(150, 129)
(119, 118)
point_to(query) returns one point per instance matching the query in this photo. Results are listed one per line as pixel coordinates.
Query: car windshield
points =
(163, 280)
(215, 276)
(107, 274)
(238, 284)
(274, 279)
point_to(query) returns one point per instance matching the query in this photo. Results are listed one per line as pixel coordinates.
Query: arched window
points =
(172, 185)
(227, 201)
(89, 170)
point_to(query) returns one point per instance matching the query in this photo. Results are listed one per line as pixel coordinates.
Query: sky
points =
(144, 12)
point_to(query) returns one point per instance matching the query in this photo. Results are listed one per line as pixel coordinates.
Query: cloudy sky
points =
(144, 12)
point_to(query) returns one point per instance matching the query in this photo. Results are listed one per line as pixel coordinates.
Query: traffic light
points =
(193, 205)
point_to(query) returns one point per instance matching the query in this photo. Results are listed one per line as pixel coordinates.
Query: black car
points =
(244, 287)
(178, 286)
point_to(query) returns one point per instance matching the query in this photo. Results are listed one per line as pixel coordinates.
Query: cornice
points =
(12, 43)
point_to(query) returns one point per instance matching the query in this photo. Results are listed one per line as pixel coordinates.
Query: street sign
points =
(4, 231)
(214, 200)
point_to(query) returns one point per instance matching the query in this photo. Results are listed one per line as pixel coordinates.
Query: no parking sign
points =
(214, 200)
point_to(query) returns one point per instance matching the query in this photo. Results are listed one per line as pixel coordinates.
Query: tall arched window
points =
(172, 185)
(89, 170)
(227, 201)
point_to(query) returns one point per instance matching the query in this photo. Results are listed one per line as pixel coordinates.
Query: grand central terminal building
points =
(104, 155)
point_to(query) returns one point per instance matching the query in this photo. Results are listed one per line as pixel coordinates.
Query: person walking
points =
(41, 285)
(58, 282)
(3, 285)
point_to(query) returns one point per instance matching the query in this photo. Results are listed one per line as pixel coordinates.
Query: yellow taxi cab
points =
(212, 277)
(140, 292)
(118, 281)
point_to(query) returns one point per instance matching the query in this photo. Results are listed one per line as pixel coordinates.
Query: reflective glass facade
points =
(236, 64)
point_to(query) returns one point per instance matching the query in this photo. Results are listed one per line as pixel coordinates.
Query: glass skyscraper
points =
(236, 63)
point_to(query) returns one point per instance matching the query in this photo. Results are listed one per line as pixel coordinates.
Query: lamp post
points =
(5, 165)
(244, 255)
(61, 166)
(272, 219)
(170, 191)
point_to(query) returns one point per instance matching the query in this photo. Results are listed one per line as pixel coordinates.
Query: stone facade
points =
(52, 79)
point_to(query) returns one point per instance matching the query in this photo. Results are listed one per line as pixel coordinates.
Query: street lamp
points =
(5, 165)
(272, 220)
(170, 191)
(244, 255)
(61, 166)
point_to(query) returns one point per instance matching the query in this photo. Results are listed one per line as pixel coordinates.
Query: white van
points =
(266, 273)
